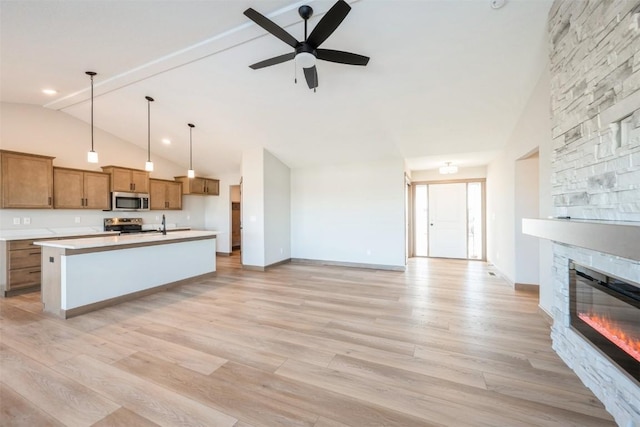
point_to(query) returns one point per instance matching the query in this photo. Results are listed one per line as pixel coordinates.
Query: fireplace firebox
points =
(606, 311)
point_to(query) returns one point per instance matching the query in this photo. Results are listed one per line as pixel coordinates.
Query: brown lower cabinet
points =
(20, 265)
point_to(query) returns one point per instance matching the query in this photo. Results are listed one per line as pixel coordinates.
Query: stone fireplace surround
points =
(585, 243)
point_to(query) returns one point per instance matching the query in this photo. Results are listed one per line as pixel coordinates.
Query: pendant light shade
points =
(92, 156)
(448, 169)
(148, 166)
(191, 173)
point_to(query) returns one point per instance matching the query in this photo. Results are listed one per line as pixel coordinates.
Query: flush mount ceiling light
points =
(448, 169)
(92, 156)
(191, 173)
(148, 166)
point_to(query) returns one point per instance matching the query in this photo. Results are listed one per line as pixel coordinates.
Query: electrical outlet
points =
(77, 220)
(157, 217)
(16, 221)
(26, 220)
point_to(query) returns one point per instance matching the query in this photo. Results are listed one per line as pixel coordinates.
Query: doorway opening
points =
(449, 219)
(236, 226)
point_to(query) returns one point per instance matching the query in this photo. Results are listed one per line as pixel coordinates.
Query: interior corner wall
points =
(277, 210)
(351, 213)
(253, 207)
(532, 131)
(526, 206)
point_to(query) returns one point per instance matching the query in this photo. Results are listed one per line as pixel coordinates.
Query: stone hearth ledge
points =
(619, 238)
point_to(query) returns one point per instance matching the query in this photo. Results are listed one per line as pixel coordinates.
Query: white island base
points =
(82, 275)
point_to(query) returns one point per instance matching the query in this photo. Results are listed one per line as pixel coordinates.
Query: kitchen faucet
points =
(164, 225)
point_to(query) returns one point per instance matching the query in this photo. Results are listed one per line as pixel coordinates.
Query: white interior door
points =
(448, 220)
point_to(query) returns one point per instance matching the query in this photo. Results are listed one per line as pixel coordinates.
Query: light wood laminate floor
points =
(444, 343)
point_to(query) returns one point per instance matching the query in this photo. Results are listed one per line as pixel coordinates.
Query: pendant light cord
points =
(91, 112)
(190, 147)
(148, 130)
(149, 101)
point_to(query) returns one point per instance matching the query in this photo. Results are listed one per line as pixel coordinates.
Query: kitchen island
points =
(82, 275)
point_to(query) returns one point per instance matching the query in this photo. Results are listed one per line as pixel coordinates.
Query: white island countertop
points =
(143, 239)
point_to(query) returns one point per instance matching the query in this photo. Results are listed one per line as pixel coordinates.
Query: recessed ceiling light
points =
(166, 141)
(49, 91)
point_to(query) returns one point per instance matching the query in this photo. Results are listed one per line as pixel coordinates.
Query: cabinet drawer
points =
(24, 277)
(22, 244)
(24, 258)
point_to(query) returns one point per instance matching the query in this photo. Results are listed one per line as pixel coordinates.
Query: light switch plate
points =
(26, 220)
(16, 221)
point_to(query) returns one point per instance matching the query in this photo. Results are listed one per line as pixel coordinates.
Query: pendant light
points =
(92, 156)
(191, 173)
(148, 166)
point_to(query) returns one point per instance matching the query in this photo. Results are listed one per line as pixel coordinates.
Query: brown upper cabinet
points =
(27, 180)
(79, 189)
(165, 194)
(197, 185)
(130, 180)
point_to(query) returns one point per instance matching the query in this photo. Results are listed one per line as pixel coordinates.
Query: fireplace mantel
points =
(612, 237)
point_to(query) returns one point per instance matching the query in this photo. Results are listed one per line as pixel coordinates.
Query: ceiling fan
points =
(307, 52)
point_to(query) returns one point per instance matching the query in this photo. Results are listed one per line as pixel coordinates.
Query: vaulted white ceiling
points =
(447, 79)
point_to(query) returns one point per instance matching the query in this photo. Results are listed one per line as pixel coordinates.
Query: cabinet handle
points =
(34, 272)
(49, 200)
(34, 253)
(86, 202)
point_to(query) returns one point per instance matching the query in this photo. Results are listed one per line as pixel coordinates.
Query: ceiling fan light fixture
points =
(448, 169)
(306, 59)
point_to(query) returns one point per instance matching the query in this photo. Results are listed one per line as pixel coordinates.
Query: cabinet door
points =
(96, 190)
(157, 191)
(174, 195)
(140, 181)
(121, 180)
(67, 189)
(212, 187)
(197, 185)
(27, 181)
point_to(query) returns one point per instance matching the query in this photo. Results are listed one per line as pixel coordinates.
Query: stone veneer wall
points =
(595, 82)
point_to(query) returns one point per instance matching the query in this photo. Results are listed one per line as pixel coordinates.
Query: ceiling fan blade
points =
(311, 74)
(271, 27)
(341, 57)
(273, 61)
(329, 23)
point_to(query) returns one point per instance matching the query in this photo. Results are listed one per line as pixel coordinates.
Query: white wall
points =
(277, 210)
(463, 173)
(38, 130)
(351, 213)
(533, 131)
(253, 207)
(526, 206)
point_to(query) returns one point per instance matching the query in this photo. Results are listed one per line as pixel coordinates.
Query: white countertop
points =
(51, 233)
(127, 239)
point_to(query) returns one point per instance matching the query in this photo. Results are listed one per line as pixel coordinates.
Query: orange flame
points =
(613, 333)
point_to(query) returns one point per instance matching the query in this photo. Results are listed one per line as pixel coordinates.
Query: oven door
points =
(129, 201)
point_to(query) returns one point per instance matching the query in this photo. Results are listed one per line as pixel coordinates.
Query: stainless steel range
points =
(124, 225)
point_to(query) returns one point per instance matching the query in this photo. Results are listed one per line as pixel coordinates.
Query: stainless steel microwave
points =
(121, 201)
